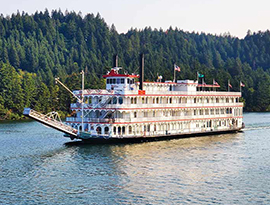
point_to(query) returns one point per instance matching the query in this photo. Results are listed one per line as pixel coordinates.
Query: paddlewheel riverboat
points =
(136, 110)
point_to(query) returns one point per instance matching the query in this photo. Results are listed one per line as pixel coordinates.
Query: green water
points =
(38, 167)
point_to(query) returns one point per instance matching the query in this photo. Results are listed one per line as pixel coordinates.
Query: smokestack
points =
(141, 71)
(116, 61)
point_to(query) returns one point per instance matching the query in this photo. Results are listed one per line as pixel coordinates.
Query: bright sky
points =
(209, 16)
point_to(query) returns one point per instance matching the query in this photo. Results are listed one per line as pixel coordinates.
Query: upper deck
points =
(123, 92)
(100, 92)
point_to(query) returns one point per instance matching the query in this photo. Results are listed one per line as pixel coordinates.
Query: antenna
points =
(82, 97)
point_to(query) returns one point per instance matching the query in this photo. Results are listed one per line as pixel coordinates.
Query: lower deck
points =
(157, 128)
(137, 139)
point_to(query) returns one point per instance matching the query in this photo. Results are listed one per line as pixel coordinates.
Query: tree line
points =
(38, 47)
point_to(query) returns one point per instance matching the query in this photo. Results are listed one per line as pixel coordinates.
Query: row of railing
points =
(162, 106)
(145, 119)
(157, 92)
(52, 121)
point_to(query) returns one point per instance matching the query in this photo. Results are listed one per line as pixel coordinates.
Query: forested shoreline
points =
(34, 49)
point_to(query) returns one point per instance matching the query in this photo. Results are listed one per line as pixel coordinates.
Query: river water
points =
(37, 166)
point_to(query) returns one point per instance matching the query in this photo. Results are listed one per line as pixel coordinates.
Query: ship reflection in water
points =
(40, 167)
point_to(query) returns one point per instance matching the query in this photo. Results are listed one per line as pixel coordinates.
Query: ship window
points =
(142, 100)
(114, 130)
(113, 81)
(108, 81)
(129, 130)
(98, 130)
(144, 128)
(146, 100)
(119, 130)
(123, 130)
(148, 128)
(118, 80)
(145, 114)
(227, 100)
(131, 101)
(195, 100)
(217, 100)
(120, 100)
(179, 100)
(157, 100)
(114, 100)
(170, 100)
(122, 80)
(135, 100)
(155, 127)
(135, 114)
(153, 100)
(106, 130)
(195, 112)
(128, 81)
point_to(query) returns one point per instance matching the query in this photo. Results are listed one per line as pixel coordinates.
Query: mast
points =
(82, 97)
(174, 73)
(141, 72)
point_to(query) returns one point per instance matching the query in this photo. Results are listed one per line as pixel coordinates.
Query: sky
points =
(209, 16)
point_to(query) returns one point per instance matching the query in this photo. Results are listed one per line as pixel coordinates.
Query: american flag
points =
(177, 68)
(242, 84)
(230, 85)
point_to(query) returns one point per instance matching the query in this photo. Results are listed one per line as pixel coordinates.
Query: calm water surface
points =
(38, 167)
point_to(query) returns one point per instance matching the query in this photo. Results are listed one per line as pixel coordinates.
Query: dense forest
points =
(36, 48)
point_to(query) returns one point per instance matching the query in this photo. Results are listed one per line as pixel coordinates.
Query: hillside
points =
(36, 48)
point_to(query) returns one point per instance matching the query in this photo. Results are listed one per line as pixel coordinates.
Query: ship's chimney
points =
(141, 71)
(116, 61)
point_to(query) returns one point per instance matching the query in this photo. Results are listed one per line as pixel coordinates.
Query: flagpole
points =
(198, 80)
(203, 84)
(174, 73)
(240, 87)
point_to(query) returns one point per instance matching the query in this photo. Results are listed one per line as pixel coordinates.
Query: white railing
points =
(146, 119)
(157, 92)
(162, 106)
(50, 121)
(86, 120)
